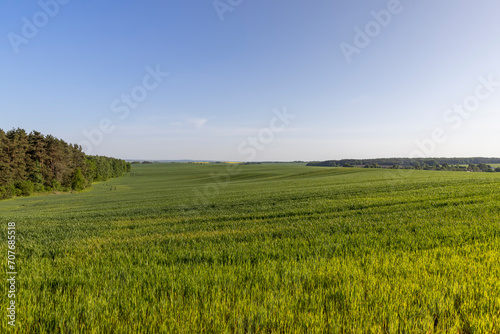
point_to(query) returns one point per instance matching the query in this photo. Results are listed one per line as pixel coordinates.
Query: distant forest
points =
(449, 164)
(36, 163)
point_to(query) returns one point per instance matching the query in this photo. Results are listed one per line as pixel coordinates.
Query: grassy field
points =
(276, 248)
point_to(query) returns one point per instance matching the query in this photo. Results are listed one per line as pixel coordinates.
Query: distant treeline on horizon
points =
(42, 163)
(471, 164)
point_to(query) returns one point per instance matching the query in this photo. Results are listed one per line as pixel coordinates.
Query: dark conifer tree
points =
(36, 162)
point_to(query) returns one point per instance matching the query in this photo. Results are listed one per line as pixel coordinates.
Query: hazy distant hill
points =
(417, 163)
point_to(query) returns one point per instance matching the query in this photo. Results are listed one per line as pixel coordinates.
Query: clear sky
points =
(362, 79)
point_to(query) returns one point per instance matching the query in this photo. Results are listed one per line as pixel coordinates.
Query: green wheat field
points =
(271, 248)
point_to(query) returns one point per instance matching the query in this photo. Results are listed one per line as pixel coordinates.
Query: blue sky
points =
(414, 62)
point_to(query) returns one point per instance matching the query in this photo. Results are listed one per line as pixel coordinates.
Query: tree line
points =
(43, 163)
(449, 164)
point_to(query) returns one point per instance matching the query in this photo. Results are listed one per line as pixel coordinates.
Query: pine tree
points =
(36, 163)
(5, 168)
(38, 158)
(18, 147)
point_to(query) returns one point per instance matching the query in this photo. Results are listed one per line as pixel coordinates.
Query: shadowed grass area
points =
(187, 248)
